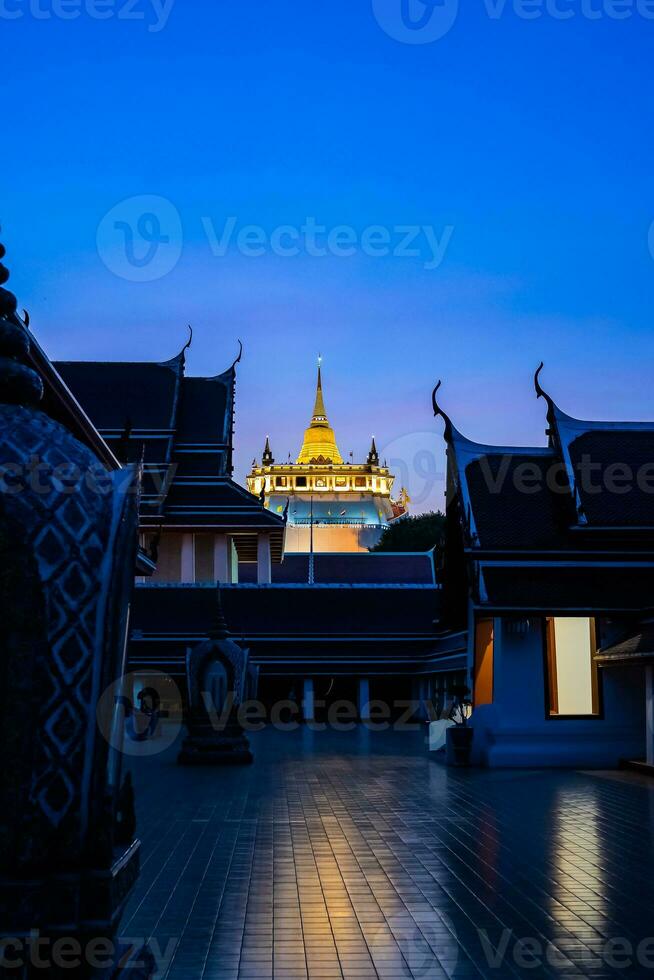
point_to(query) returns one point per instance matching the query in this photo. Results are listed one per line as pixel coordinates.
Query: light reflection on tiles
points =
(353, 855)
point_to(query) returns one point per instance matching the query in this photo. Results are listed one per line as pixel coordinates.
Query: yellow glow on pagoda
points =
(319, 444)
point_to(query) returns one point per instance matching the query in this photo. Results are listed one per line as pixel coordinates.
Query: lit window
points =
(320, 482)
(572, 674)
(341, 481)
(280, 481)
(359, 481)
(483, 677)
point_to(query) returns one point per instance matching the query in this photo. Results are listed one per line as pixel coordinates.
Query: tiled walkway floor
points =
(354, 855)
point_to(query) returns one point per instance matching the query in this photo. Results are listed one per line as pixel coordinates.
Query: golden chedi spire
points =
(319, 444)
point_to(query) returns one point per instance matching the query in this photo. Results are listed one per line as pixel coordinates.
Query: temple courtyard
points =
(355, 855)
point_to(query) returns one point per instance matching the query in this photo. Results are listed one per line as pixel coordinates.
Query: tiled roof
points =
(513, 505)
(612, 452)
(288, 610)
(113, 393)
(183, 427)
(637, 647)
(205, 410)
(538, 536)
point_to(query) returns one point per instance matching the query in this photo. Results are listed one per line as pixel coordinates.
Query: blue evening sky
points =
(527, 141)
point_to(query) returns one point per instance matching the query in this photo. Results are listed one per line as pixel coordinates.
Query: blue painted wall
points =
(515, 730)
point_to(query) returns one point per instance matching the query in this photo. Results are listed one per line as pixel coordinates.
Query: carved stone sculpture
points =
(219, 681)
(68, 539)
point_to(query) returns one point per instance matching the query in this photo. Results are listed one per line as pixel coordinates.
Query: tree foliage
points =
(420, 533)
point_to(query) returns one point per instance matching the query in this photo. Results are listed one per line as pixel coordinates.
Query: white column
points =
(188, 559)
(233, 568)
(264, 570)
(364, 699)
(222, 558)
(649, 714)
(307, 699)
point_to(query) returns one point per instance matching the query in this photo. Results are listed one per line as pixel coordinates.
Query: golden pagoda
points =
(334, 505)
(319, 444)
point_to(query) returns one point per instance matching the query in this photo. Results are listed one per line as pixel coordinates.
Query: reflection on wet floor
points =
(355, 855)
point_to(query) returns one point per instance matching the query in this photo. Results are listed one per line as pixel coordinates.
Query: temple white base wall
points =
(332, 537)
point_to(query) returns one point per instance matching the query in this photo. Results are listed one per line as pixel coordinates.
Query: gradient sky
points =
(531, 138)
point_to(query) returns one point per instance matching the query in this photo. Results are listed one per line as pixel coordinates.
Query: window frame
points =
(550, 675)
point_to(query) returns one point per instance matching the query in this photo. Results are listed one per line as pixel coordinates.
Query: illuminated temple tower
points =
(344, 506)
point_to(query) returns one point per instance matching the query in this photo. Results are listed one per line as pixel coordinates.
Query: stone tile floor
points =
(355, 855)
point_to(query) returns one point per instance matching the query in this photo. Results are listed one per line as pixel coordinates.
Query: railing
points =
(317, 521)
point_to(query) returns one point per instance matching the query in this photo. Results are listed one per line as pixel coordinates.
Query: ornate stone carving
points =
(219, 681)
(68, 539)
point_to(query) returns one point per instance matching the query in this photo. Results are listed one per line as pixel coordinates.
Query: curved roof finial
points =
(541, 393)
(439, 411)
(240, 355)
(190, 338)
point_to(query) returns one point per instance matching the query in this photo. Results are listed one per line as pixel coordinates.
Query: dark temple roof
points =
(617, 458)
(514, 503)
(368, 568)
(183, 428)
(114, 394)
(296, 630)
(566, 527)
(288, 610)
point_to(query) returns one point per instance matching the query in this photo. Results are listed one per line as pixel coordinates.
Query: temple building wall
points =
(517, 729)
(186, 558)
(331, 538)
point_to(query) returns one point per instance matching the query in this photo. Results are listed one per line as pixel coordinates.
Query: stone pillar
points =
(420, 694)
(222, 558)
(233, 571)
(364, 699)
(264, 569)
(188, 559)
(307, 699)
(649, 714)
